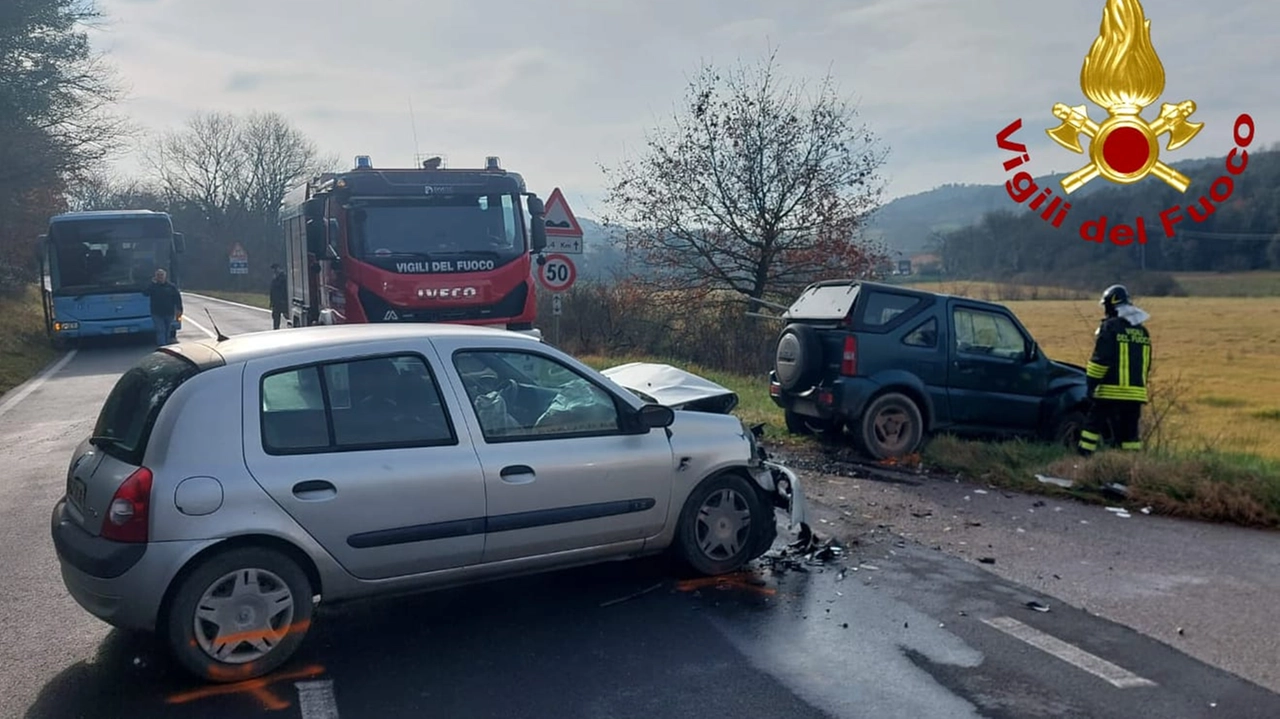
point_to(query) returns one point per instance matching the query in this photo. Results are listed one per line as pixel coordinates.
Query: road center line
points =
(228, 302)
(316, 700)
(200, 327)
(1116, 676)
(33, 384)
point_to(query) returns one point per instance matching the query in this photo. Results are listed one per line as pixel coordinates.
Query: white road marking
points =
(228, 302)
(316, 700)
(22, 391)
(200, 327)
(1116, 676)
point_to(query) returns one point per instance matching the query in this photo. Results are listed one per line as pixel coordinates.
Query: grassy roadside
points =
(24, 348)
(253, 299)
(1207, 485)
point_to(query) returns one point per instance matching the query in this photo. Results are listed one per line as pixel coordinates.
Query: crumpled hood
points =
(673, 387)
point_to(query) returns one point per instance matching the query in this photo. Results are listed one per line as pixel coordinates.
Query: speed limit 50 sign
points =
(557, 273)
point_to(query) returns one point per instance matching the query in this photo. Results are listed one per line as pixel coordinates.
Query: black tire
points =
(735, 493)
(1066, 431)
(289, 623)
(891, 426)
(797, 357)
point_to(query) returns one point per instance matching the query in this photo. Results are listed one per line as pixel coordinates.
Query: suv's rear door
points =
(992, 380)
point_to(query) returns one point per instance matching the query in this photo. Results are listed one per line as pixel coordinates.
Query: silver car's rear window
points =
(125, 422)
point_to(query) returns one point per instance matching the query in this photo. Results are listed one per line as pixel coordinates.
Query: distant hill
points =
(909, 223)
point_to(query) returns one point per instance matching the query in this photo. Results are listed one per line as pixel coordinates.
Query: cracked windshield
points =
(885, 360)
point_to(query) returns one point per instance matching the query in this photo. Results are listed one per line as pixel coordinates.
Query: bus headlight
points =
(63, 326)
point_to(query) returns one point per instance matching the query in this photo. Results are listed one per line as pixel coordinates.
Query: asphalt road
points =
(919, 633)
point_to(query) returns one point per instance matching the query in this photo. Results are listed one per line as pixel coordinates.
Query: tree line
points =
(1241, 234)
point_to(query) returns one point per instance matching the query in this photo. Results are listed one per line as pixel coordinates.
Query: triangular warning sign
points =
(559, 218)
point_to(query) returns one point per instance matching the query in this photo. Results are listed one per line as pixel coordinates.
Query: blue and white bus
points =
(94, 267)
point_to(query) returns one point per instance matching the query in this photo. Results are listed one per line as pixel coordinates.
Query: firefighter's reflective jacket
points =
(1121, 361)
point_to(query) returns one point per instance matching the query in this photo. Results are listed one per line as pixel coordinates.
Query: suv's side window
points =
(525, 396)
(987, 333)
(882, 307)
(926, 335)
(373, 403)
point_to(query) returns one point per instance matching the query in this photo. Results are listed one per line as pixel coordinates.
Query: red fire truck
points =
(424, 244)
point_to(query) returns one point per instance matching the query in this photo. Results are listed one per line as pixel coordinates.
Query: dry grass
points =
(1230, 284)
(24, 347)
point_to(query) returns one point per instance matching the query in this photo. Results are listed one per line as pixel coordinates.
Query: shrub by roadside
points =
(24, 347)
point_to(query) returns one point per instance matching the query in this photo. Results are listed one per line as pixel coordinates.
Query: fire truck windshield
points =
(474, 225)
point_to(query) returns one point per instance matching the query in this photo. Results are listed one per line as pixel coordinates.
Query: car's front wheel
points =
(722, 521)
(239, 615)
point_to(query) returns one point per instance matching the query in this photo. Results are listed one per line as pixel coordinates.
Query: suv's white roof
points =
(253, 345)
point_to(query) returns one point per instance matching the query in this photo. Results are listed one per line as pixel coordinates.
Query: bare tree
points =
(205, 165)
(756, 187)
(278, 155)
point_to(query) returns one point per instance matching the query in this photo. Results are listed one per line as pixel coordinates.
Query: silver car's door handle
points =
(314, 490)
(517, 474)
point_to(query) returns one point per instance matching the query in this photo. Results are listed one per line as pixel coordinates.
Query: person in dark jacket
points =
(279, 296)
(166, 306)
(1117, 374)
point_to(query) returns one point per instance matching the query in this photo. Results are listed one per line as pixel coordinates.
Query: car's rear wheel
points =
(891, 426)
(721, 525)
(239, 615)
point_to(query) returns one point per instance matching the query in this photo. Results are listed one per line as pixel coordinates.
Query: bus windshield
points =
(482, 226)
(108, 255)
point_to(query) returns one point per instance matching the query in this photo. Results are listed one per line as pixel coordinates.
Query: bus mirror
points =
(41, 248)
(179, 242)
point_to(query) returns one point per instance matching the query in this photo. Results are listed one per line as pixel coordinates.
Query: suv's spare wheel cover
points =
(791, 359)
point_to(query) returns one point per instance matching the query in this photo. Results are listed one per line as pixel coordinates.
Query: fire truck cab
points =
(413, 245)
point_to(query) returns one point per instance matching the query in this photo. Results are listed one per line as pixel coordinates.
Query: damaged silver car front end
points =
(684, 391)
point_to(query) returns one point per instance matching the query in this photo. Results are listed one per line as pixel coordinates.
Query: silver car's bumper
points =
(788, 495)
(136, 576)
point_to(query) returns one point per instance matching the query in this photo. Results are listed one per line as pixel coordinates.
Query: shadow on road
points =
(620, 639)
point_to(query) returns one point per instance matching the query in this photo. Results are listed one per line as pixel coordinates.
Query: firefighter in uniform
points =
(1117, 374)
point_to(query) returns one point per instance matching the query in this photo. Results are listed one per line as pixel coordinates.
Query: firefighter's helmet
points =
(1114, 296)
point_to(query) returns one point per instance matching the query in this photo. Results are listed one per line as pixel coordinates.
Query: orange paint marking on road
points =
(741, 580)
(257, 688)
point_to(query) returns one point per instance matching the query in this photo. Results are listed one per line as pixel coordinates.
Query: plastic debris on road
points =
(1056, 481)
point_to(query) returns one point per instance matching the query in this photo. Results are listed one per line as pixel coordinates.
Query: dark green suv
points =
(893, 365)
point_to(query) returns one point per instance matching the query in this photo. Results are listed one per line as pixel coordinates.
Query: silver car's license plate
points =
(75, 491)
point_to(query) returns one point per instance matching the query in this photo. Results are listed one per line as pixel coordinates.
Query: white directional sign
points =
(564, 234)
(558, 273)
(557, 306)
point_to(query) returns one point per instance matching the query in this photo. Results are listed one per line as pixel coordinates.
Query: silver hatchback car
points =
(229, 484)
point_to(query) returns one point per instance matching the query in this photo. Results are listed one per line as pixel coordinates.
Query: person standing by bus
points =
(279, 296)
(166, 306)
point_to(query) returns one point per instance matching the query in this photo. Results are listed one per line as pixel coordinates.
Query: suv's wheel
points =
(1067, 431)
(797, 357)
(891, 426)
(721, 524)
(239, 615)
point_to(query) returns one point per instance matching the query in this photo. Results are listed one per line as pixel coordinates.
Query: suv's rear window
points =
(124, 425)
(829, 302)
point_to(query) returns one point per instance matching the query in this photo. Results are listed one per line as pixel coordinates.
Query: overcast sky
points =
(555, 88)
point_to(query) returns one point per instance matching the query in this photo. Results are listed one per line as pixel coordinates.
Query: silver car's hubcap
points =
(243, 615)
(724, 523)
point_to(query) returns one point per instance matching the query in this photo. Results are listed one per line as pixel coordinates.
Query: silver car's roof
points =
(252, 345)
